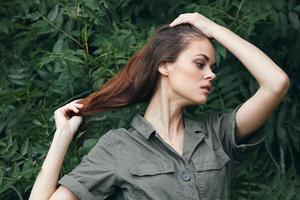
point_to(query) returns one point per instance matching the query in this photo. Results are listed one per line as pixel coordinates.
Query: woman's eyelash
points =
(200, 65)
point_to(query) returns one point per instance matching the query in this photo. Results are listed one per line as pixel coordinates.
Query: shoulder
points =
(210, 122)
(217, 118)
(108, 142)
(223, 119)
(113, 135)
(117, 133)
(205, 119)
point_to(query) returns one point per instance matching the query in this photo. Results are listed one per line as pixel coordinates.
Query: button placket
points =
(192, 184)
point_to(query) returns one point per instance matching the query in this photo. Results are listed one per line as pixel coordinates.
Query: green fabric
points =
(135, 163)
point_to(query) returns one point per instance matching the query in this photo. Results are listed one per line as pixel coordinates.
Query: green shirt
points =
(136, 163)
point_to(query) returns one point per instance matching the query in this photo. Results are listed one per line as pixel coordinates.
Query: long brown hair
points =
(137, 81)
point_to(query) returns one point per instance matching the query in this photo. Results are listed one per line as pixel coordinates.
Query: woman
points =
(165, 154)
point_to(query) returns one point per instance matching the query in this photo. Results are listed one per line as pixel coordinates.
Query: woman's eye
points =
(200, 65)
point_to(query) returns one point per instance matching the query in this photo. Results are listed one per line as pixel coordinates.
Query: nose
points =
(210, 75)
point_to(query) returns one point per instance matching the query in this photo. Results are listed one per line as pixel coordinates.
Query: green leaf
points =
(1, 175)
(282, 136)
(294, 19)
(15, 170)
(226, 80)
(24, 147)
(231, 87)
(282, 116)
(37, 122)
(58, 46)
(270, 135)
(45, 60)
(244, 91)
(283, 23)
(10, 141)
(53, 13)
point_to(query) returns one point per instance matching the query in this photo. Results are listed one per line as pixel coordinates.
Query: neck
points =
(164, 113)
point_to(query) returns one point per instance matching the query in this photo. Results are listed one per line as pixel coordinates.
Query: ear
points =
(164, 69)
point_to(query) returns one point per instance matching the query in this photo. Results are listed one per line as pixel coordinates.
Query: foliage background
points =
(52, 52)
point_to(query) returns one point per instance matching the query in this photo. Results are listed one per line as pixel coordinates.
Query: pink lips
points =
(206, 87)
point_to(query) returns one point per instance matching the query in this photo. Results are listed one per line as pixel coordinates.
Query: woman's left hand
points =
(199, 21)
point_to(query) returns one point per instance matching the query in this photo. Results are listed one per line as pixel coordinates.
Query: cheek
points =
(185, 81)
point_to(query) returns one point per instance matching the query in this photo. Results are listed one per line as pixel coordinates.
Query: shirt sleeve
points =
(225, 126)
(94, 177)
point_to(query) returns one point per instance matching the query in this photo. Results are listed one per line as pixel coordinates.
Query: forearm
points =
(264, 70)
(46, 181)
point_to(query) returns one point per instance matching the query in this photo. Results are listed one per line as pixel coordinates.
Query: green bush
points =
(56, 51)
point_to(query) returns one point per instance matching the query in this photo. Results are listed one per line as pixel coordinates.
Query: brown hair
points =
(137, 81)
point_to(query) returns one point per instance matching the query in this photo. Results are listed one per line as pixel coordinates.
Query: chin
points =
(200, 101)
(203, 101)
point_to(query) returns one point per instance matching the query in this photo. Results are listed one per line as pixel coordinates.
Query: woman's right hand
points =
(64, 122)
(207, 26)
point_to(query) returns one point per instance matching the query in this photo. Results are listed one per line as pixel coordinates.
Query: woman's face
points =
(190, 76)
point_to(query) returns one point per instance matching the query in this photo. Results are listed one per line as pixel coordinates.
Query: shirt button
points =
(186, 176)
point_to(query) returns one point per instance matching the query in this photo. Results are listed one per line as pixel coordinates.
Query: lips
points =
(207, 88)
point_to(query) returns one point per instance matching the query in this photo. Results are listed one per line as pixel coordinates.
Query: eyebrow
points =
(205, 57)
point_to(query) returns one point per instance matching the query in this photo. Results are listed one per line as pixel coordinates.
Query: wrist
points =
(62, 136)
(217, 30)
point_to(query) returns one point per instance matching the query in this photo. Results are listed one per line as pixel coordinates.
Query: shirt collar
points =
(146, 129)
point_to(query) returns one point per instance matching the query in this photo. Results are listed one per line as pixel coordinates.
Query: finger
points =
(175, 21)
(183, 18)
(73, 102)
(74, 108)
(77, 100)
(179, 21)
(68, 108)
(76, 105)
(79, 105)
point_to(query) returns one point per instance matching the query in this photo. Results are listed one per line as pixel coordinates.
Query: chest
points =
(204, 177)
(177, 144)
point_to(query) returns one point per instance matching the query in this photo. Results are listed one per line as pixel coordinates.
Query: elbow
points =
(281, 85)
(284, 84)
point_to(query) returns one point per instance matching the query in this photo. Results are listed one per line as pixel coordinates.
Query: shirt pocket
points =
(154, 179)
(211, 174)
(151, 168)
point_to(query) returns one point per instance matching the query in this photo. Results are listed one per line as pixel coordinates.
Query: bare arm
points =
(45, 185)
(46, 182)
(273, 81)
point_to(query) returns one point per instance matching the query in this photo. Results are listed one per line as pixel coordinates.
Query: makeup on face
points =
(202, 61)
